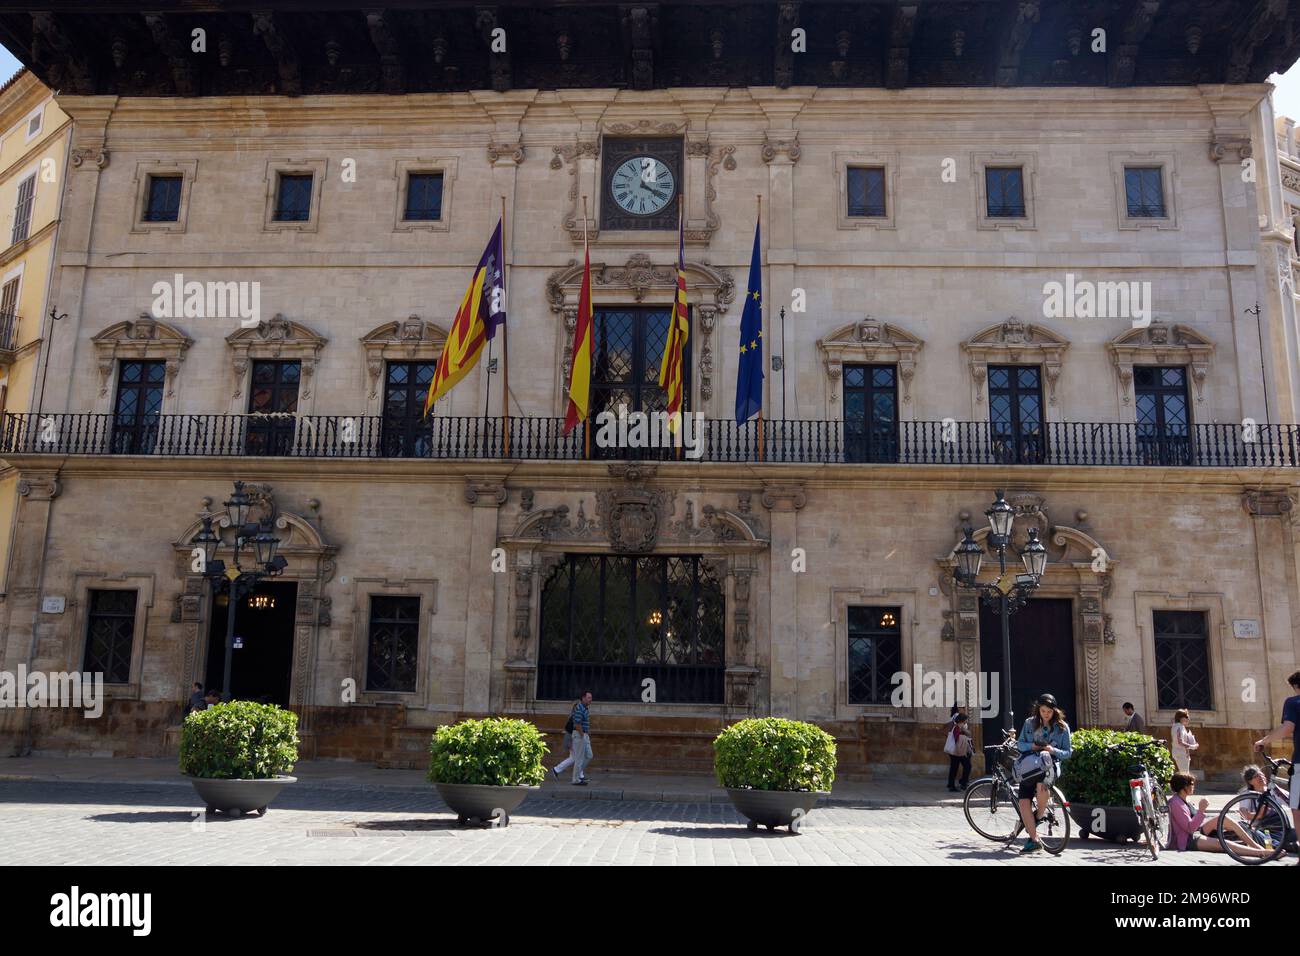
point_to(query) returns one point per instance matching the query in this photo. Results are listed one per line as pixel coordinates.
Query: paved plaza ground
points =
(88, 811)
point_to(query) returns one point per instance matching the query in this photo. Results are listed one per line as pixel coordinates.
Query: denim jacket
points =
(1059, 739)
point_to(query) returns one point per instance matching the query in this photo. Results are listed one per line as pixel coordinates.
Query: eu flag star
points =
(756, 295)
(754, 344)
(743, 350)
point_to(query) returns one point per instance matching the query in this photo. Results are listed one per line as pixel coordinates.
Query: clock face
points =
(642, 185)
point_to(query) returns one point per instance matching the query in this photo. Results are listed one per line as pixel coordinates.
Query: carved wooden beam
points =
(391, 69)
(175, 49)
(1254, 30)
(787, 18)
(640, 23)
(487, 20)
(1123, 61)
(67, 62)
(1020, 20)
(900, 45)
(286, 57)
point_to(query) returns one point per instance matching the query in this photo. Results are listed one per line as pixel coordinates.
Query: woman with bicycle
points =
(1044, 743)
(1193, 831)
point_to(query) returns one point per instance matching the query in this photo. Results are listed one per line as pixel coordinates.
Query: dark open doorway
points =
(262, 667)
(1042, 658)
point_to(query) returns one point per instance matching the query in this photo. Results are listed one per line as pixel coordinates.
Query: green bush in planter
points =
(772, 753)
(1099, 777)
(496, 751)
(240, 740)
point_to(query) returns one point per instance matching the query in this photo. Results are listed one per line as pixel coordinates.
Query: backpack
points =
(568, 724)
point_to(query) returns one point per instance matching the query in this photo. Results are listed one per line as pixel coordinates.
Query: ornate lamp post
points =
(236, 580)
(1008, 593)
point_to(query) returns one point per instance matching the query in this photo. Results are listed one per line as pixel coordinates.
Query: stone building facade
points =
(443, 578)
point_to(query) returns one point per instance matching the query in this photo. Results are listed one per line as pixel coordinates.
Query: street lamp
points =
(1008, 593)
(236, 580)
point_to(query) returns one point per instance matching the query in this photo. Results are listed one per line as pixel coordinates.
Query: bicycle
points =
(1266, 813)
(1150, 803)
(992, 804)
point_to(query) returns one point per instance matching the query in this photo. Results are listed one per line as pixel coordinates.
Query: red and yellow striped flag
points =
(580, 371)
(670, 367)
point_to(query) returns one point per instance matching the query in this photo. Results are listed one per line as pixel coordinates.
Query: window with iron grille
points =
(1162, 413)
(1005, 191)
(406, 432)
(137, 406)
(870, 413)
(273, 407)
(423, 197)
(163, 202)
(1182, 651)
(875, 653)
(23, 209)
(1144, 192)
(110, 632)
(867, 191)
(391, 664)
(1016, 413)
(293, 197)
(609, 622)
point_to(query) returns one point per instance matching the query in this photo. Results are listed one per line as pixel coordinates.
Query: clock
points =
(641, 178)
(642, 185)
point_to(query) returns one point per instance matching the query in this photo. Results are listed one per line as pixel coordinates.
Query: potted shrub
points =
(1095, 781)
(774, 769)
(483, 769)
(238, 755)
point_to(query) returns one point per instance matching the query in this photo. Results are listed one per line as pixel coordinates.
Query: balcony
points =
(542, 439)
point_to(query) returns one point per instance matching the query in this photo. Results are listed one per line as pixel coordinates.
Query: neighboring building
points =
(34, 135)
(918, 195)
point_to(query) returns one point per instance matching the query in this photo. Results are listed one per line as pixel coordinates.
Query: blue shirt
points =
(1058, 737)
(1291, 712)
(580, 718)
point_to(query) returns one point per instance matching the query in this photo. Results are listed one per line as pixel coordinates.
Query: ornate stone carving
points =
(145, 338)
(39, 487)
(514, 151)
(1014, 342)
(1160, 344)
(633, 517)
(276, 338)
(784, 497)
(1267, 503)
(1230, 149)
(99, 156)
(411, 339)
(789, 148)
(485, 492)
(870, 342)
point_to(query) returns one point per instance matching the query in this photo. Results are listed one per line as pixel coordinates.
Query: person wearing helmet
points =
(1046, 737)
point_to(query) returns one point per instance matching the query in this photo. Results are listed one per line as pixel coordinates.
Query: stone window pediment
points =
(276, 338)
(869, 342)
(1160, 344)
(1014, 342)
(146, 338)
(407, 340)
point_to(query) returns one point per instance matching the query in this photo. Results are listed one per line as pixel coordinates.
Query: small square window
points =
(34, 125)
(423, 197)
(1005, 191)
(293, 197)
(163, 201)
(866, 191)
(1144, 192)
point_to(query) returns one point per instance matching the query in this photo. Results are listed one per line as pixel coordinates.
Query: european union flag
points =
(749, 370)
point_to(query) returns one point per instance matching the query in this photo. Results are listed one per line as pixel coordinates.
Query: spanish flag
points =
(670, 368)
(481, 313)
(580, 371)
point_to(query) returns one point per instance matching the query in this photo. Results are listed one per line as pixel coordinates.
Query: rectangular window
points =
(163, 202)
(9, 314)
(23, 209)
(1163, 419)
(34, 124)
(1182, 650)
(1016, 414)
(406, 432)
(138, 406)
(273, 407)
(293, 197)
(867, 191)
(394, 642)
(870, 413)
(423, 197)
(1005, 187)
(875, 653)
(110, 632)
(1144, 192)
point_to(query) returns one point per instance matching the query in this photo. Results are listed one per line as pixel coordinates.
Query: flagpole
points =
(757, 221)
(505, 342)
(487, 397)
(586, 422)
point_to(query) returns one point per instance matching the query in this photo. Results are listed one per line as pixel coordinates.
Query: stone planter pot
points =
(482, 802)
(1120, 823)
(775, 808)
(237, 797)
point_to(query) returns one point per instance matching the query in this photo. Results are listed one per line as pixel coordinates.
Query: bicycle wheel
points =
(991, 809)
(1054, 823)
(1269, 820)
(1160, 803)
(1149, 827)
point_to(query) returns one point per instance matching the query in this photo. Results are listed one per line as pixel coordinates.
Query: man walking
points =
(1290, 727)
(1135, 722)
(580, 748)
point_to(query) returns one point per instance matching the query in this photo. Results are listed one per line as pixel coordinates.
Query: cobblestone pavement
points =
(113, 824)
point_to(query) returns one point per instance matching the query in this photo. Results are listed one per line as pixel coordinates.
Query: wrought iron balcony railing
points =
(542, 439)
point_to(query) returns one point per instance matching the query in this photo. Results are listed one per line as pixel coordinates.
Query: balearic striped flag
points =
(670, 367)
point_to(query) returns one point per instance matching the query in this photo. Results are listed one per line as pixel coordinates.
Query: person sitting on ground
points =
(1188, 831)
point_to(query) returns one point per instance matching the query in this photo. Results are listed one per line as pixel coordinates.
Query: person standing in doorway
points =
(1134, 722)
(580, 745)
(1182, 741)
